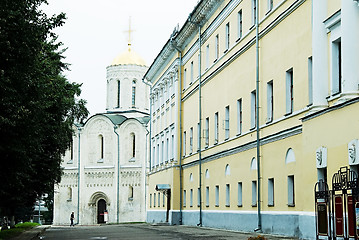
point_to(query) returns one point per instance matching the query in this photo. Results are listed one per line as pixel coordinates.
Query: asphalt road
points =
(142, 231)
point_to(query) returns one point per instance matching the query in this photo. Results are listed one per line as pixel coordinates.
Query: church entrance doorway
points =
(101, 207)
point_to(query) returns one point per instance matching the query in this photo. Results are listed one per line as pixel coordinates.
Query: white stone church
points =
(104, 171)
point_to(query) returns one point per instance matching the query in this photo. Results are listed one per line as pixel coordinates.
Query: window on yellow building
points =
(270, 105)
(216, 127)
(253, 109)
(191, 198)
(184, 79)
(228, 196)
(217, 196)
(254, 12)
(291, 192)
(270, 5)
(154, 200)
(289, 91)
(336, 67)
(159, 199)
(207, 56)
(191, 140)
(191, 80)
(184, 198)
(199, 197)
(271, 192)
(227, 36)
(150, 200)
(198, 136)
(226, 123)
(207, 196)
(310, 80)
(163, 200)
(184, 143)
(207, 132)
(239, 200)
(216, 47)
(239, 116)
(254, 193)
(240, 24)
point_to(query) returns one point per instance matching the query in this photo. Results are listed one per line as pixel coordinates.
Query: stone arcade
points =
(104, 171)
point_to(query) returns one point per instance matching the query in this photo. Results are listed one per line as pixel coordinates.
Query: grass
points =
(19, 228)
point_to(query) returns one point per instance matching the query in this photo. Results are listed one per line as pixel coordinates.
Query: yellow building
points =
(263, 104)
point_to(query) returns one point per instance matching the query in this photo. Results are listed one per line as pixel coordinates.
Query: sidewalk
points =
(32, 234)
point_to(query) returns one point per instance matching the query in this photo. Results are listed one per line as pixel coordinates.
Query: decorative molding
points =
(250, 145)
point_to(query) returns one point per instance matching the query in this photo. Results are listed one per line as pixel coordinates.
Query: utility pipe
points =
(259, 227)
(200, 118)
(118, 173)
(200, 125)
(179, 96)
(150, 160)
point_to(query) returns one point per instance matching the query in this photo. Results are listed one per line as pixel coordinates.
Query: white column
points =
(350, 47)
(320, 54)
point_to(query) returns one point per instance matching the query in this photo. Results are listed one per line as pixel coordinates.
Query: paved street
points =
(142, 231)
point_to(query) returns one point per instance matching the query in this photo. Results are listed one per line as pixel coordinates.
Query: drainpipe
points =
(150, 160)
(200, 119)
(147, 132)
(78, 173)
(118, 173)
(150, 141)
(180, 125)
(259, 227)
(200, 127)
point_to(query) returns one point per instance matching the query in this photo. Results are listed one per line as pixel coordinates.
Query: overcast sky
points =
(94, 34)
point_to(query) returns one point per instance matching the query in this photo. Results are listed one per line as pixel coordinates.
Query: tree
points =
(38, 105)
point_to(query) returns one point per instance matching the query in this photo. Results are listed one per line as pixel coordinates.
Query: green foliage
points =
(19, 228)
(38, 106)
(27, 225)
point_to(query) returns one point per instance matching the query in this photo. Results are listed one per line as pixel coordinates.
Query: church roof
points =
(128, 57)
(115, 118)
(118, 119)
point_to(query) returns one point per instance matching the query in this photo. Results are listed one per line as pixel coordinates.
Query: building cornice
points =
(250, 145)
(201, 13)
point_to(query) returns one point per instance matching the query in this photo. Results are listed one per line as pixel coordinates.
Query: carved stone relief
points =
(353, 152)
(321, 157)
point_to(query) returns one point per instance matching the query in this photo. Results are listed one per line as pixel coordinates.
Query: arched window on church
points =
(69, 194)
(130, 193)
(133, 93)
(133, 145)
(101, 143)
(71, 152)
(118, 94)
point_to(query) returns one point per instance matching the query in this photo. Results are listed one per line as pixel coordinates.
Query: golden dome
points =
(128, 57)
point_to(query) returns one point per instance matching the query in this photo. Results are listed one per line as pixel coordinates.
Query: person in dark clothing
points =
(72, 219)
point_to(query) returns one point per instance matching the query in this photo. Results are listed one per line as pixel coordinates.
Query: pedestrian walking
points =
(72, 219)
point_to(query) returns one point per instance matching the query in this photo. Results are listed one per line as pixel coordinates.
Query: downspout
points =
(78, 172)
(200, 126)
(179, 96)
(147, 132)
(200, 119)
(150, 160)
(118, 173)
(150, 141)
(259, 227)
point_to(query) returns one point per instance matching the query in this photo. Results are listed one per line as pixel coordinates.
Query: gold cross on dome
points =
(129, 31)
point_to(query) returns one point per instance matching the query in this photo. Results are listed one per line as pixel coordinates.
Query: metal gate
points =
(337, 210)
